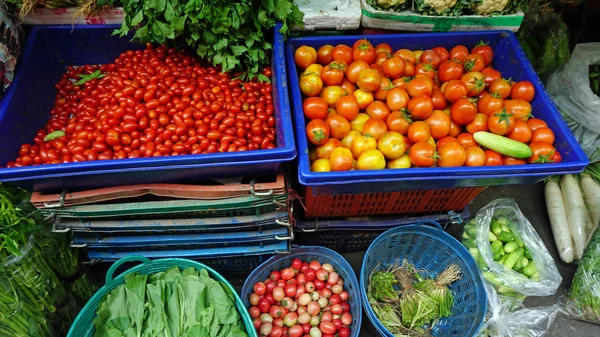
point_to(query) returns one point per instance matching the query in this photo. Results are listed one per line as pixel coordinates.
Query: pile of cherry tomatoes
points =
(370, 107)
(305, 299)
(151, 103)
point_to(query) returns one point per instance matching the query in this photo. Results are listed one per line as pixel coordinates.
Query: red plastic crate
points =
(388, 203)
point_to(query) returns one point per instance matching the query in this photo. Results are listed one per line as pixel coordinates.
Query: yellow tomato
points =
(371, 159)
(331, 94)
(361, 144)
(311, 84)
(358, 123)
(305, 56)
(321, 165)
(347, 140)
(314, 68)
(417, 55)
(364, 98)
(392, 145)
(402, 162)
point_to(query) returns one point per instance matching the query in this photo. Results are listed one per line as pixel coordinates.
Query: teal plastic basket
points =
(83, 325)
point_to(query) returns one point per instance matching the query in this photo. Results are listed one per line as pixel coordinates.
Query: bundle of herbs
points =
(408, 304)
(229, 34)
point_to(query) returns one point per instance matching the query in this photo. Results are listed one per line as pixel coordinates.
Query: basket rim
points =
(442, 236)
(90, 306)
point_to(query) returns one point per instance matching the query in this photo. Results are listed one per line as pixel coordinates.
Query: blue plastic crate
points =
(196, 225)
(307, 254)
(116, 242)
(431, 251)
(48, 50)
(509, 59)
(194, 254)
(356, 234)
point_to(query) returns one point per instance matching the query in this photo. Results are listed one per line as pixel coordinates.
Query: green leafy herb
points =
(86, 77)
(174, 303)
(54, 135)
(229, 34)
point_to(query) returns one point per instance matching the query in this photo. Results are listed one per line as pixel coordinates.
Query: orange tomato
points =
(431, 57)
(501, 122)
(419, 132)
(354, 69)
(445, 140)
(463, 111)
(467, 140)
(374, 127)
(368, 80)
(324, 151)
(378, 109)
(333, 73)
(407, 55)
(474, 62)
(397, 99)
(311, 84)
(419, 86)
(501, 87)
(341, 52)
(475, 156)
(384, 88)
(393, 67)
(455, 129)
(317, 132)
(402, 162)
(536, 123)
(453, 90)
(439, 124)
(340, 159)
(542, 153)
(347, 140)
(398, 121)
(459, 52)
(523, 90)
(493, 158)
(520, 109)
(348, 86)
(451, 154)
(521, 133)
(438, 99)
(305, 56)
(339, 126)
(420, 107)
(347, 107)
(324, 54)
(422, 154)
(514, 161)
(479, 123)
(489, 103)
(544, 135)
(474, 82)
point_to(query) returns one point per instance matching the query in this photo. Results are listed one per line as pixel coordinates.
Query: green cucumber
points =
(466, 236)
(525, 262)
(519, 241)
(469, 243)
(497, 247)
(497, 257)
(513, 258)
(506, 237)
(496, 227)
(492, 237)
(503, 258)
(528, 253)
(492, 278)
(472, 232)
(530, 269)
(503, 145)
(510, 247)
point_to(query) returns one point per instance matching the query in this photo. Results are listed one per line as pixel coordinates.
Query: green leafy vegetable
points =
(88, 77)
(229, 34)
(173, 303)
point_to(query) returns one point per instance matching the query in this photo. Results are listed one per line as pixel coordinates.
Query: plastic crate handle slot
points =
(109, 274)
(259, 194)
(312, 230)
(76, 245)
(431, 223)
(290, 236)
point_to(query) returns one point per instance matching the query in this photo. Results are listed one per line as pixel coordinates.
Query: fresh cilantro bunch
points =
(230, 34)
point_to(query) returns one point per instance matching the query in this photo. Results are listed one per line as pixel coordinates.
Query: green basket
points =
(83, 325)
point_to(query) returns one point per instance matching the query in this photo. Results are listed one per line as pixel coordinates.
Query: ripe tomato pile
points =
(151, 103)
(372, 107)
(305, 299)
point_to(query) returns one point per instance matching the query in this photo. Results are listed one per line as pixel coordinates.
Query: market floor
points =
(531, 201)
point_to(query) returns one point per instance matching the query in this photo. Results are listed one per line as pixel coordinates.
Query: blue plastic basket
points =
(431, 249)
(308, 253)
(48, 50)
(510, 60)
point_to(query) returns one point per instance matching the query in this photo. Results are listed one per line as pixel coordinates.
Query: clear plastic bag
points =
(319, 5)
(583, 299)
(570, 90)
(507, 317)
(507, 281)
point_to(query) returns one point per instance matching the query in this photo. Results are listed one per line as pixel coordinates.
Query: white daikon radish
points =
(591, 195)
(576, 213)
(559, 222)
